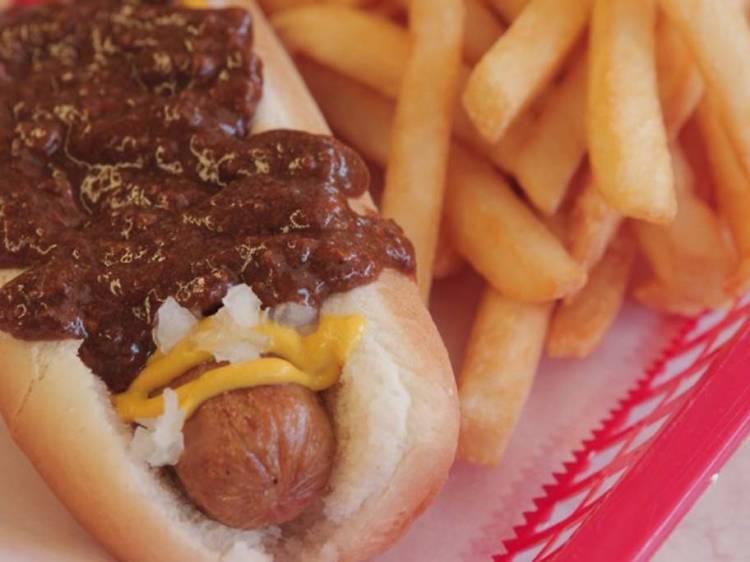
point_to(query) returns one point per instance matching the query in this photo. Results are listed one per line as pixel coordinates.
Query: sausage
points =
(257, 456)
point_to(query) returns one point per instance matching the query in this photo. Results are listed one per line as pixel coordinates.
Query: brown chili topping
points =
(128, 176)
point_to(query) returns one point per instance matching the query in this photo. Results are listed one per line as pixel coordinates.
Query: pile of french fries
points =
(571, 152)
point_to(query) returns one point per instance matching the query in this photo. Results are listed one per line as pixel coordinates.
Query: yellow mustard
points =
(197, 4)
(314, 361)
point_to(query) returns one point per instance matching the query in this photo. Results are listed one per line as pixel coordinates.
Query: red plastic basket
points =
(642, 470)
(650, 460)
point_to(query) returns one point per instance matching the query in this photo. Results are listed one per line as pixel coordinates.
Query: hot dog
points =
(315, 437)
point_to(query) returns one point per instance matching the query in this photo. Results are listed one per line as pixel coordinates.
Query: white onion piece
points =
(232, 337)
(228, 341)
(173, 323)
(294, 315)
(243, 306)
(159, 441)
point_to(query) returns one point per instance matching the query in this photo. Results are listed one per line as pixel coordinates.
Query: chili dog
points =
(212, 348)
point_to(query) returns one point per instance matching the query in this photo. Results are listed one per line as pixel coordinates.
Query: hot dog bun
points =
(395, 413)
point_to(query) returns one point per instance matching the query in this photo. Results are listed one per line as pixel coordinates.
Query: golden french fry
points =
(680, 82)
(690, 258)
(500, 236)
(516, 69)
(579, 324)
(364, 118)
(528, 134)
(422, 125)
(593, 224)
(627, 141)
(272, 6)
(370, 49)
(718, 36)
(544, 148)
(740, 281)
(557, 225)
(481, 30)
(730, 180)
(509, 10)
(388, 8)
(694, 146)
(499, 367)
(448, 261)
(682, 171)
(355, 112)
(503, 153)
(731, 183)
(555, 142)
(481, 26)
(654, 295)
(505, 234)
(367, 65)
(363, 47)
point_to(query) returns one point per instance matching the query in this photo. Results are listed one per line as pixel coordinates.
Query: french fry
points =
(627, 141)
(557, 225)
(579, 324)
(422, 125)
(481, 26)
(364, 118)
(690, 258)
(271, 6)
(740, 281)
(556, 141)
(516, 69)
(731, 183)
(509, 10)
(694, 146)
(544, 145)
(680, 82)
(388, 8)
(499, 367)
(500, 236)
(363, 47)
(355, 112)
(654, 295)
(481, 30)
(593, 224)
(366, 65)
(370, 49)
(448, 261)
(719, 39)
(498, 232)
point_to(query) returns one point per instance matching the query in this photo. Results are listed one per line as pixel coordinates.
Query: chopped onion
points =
(159, 441)
(243, 306)
(232, 338)
(294, 314)
(173, 323)
(228, 341)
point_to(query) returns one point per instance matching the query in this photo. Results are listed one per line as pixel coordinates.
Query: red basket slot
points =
(638, 475)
